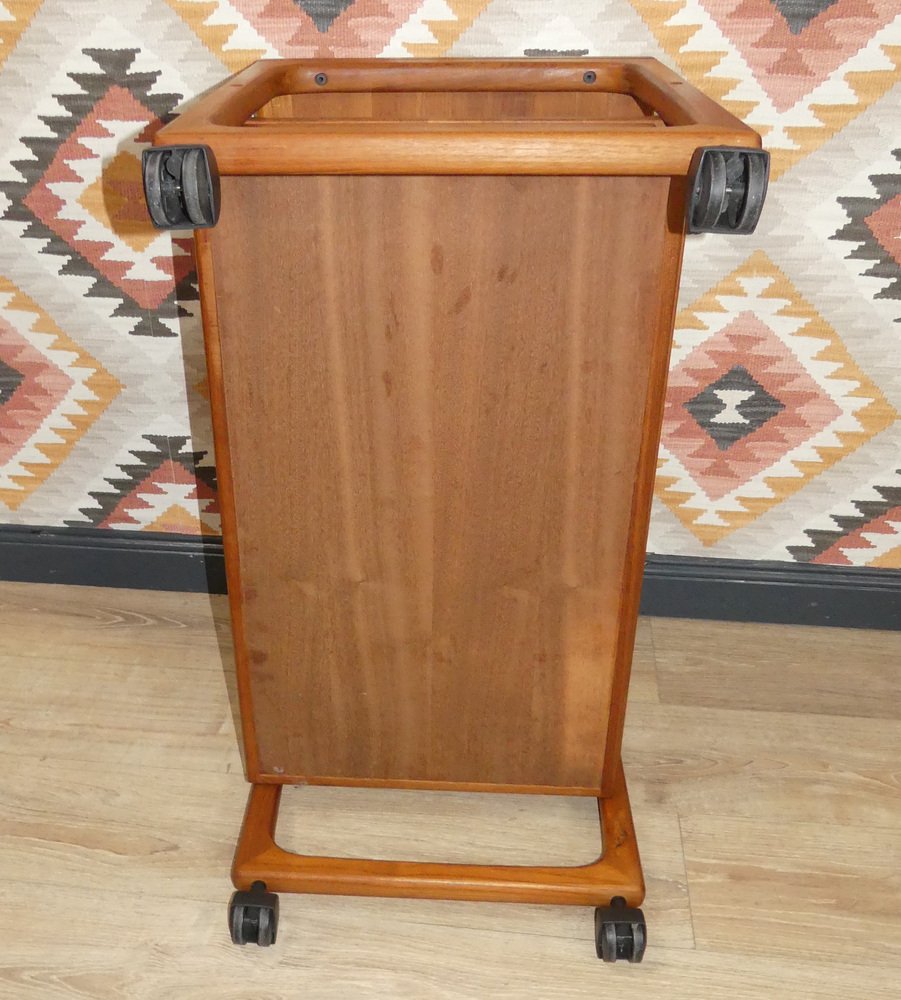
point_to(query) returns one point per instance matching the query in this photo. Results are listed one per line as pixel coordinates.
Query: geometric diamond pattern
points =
(733, 406)
(88, 209)
(792, 46)
(866, 533)
(781, 433)
(875, 227)
(38, 385)
(51, 393)
(165, 488)
(299, 29)
(116, 201)
(244, 30)
(794, 405)
(224, 32)
(754, 341)
(797, 70)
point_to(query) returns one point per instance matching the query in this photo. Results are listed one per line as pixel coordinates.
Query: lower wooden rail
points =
(617, 872)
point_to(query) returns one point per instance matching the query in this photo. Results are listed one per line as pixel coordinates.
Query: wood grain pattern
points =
(437, 478)
(417, 94)
(813, 884)
(116, 617)
(758, 672)
(365, 127)
(524, 107)
(643, 678)
(121, 783)
(645, 440)
(375, 822)
(432, 549)
(805, 768)
(486, 829)
(260, 857)
(285, 149)
(226, 492)
(647, 79)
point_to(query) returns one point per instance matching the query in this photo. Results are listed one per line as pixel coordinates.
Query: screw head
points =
(590, 77)
(320, 79)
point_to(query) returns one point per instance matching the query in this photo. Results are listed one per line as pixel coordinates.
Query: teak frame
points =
(219, 120)
(687, 120)
(617, 872)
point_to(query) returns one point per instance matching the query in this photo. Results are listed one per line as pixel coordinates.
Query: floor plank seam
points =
(824, 717)
(691, 915)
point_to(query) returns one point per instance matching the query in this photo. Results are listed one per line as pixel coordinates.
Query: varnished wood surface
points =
(522, 108)
(215, 380)
(603, 151)
(647, 79)
(645, 442)
(768, 832)
(419, 93)
(614, 871)
(436, 415)
(540, 127)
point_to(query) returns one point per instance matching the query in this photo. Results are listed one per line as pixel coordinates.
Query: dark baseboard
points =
(97, 557)
(674, 586)
(739, 590)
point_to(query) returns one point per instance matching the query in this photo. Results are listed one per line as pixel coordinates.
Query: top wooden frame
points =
(223, 120)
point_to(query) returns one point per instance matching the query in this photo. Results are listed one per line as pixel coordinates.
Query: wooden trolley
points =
(438, 303)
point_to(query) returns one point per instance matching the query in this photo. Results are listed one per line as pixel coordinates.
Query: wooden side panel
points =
(435, 390)
(449, 106)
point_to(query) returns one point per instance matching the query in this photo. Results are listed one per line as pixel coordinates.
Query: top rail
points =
(218, 118)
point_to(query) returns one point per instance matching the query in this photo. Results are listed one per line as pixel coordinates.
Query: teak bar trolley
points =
(438, 303)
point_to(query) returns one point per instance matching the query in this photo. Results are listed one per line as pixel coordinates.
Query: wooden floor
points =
(765, 770)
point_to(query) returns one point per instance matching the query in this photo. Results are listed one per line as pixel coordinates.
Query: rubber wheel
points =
(736, 190)
(173, 198)
(195, 187)
(710, 193)
(252, 923)
(609, 950)
(728, 189)
(181, 187)
(153, 187)
(757, 172)
(620, 933)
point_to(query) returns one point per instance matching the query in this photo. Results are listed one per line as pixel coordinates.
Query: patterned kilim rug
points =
(781, 438)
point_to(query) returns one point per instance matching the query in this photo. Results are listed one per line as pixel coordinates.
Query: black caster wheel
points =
(181, 187)
(253, 916)
(728, 188)
(620, 932)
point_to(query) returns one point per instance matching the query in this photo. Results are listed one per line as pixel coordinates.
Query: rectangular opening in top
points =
(508, 107)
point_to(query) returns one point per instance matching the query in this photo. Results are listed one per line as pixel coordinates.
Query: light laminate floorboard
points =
(764, 764)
